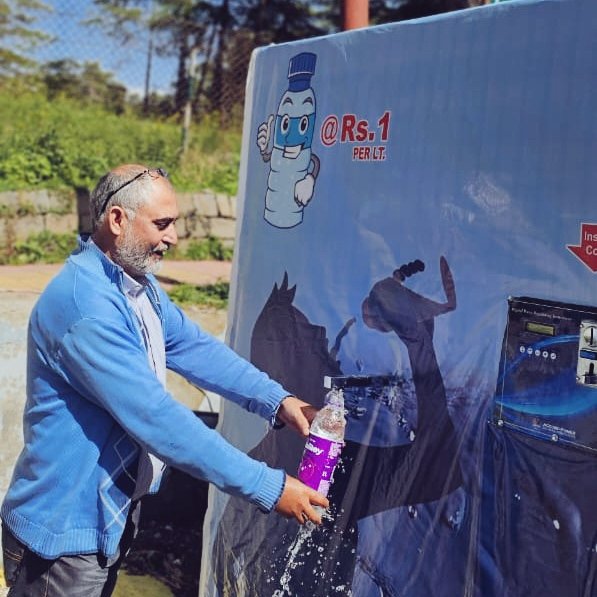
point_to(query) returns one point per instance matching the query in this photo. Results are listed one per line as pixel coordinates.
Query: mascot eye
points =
(285, 124)
(303, 125)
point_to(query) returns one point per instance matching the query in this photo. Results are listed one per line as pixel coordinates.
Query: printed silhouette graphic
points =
(430, 464)
(370, 479)
(293, 166)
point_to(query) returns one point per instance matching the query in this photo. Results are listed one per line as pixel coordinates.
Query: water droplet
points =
(454, 519)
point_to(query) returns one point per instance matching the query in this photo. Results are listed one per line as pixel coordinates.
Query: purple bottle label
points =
(318, 463)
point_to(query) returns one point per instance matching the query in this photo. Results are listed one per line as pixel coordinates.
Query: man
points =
(98, 422)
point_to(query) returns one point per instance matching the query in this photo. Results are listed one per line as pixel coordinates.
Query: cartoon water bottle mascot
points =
(293, 168)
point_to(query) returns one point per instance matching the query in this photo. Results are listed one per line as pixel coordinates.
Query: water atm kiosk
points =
(539, 518)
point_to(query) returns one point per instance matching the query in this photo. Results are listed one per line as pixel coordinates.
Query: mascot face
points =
(295, 123)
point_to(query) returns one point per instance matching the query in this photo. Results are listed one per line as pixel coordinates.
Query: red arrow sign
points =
(587, 250)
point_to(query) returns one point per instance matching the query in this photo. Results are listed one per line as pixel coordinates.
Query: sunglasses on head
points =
(153, 172)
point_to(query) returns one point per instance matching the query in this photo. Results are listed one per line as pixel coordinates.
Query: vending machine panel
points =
(547, 383)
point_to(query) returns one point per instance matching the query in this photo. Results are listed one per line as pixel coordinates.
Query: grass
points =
(209, 295)
(140, 586)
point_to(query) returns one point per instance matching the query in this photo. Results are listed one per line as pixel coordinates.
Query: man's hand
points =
(298, 501)
(297, 414)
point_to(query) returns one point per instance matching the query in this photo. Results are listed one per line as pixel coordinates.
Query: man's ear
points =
(116, 217)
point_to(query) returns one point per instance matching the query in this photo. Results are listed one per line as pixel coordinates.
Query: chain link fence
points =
(175, 69)
(168, 57)
(166, 63)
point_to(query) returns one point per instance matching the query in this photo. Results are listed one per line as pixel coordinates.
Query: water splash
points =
(556, 524)
(311, 549)
(302, 537)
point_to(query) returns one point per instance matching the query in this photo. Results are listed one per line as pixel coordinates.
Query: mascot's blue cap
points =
(300, 70)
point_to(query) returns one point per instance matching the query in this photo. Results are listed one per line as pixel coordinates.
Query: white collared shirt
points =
(150, 325)
(153, 337)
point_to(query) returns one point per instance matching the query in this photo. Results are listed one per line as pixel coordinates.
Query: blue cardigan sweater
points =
(92, 400)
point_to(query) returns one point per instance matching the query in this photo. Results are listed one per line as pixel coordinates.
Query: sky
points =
(81, 43)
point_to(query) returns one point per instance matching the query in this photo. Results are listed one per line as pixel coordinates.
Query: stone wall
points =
(23, 213)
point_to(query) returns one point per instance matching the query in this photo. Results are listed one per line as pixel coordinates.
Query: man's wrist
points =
(272, 489)
(281, 492)
(275, 422)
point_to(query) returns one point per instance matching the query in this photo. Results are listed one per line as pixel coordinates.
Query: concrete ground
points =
(20, 287)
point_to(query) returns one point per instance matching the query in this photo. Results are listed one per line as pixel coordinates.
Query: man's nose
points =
(170, 235)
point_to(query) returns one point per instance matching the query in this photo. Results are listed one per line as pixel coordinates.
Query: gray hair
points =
(130, 197)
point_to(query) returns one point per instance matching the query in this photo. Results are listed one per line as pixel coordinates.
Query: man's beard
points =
(135, 258)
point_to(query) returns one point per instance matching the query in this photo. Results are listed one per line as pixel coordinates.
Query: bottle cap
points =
(300, 70)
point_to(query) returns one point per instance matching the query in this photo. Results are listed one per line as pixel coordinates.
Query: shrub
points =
(209, 248)
(67, 144)
(210, 295)
(44, 247)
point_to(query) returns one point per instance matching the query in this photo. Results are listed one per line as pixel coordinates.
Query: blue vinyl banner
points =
(419, 223)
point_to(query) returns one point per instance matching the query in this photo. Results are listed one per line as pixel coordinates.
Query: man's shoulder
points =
(80, 291)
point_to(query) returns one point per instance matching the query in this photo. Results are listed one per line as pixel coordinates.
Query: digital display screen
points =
(540, 328)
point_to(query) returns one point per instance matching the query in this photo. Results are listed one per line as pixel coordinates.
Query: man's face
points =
(144, 240)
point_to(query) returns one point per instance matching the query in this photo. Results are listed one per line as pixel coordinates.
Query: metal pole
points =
(188, 107)
(147, 21)
(148, 73)
(355, 14)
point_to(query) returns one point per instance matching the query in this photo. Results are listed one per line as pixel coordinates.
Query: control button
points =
(590, 335)
(522, 349)
(552, 356)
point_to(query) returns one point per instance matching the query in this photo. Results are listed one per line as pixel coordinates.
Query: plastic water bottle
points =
(326, 439)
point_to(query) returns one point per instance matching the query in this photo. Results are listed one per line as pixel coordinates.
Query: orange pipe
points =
(355, 14)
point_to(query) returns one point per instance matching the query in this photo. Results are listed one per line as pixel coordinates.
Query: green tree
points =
(125, 21)
(60, 77)
(99, 88)
(86, 83)
(412, 9)
(238, 27)
(184, 26)
(17, 35)
(277, 21)
(388, 11)
(212, 40)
